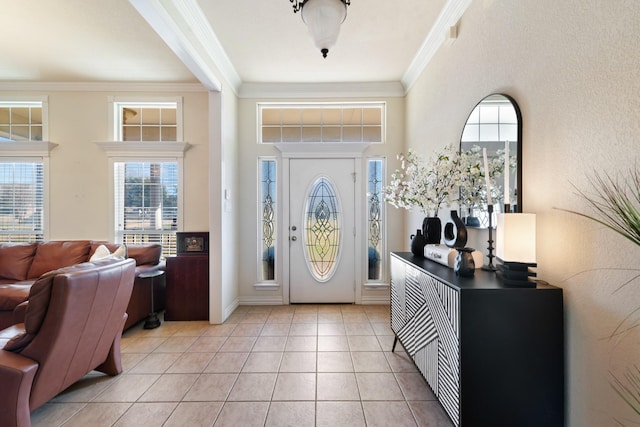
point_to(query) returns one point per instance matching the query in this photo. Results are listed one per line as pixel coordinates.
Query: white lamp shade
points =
(516, 237)
(323, 17)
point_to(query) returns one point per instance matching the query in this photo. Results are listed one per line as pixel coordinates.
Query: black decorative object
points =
(517, 274)
(432, 230)
(455, 232)
(490, 266)
(417, 243)
(464, 264)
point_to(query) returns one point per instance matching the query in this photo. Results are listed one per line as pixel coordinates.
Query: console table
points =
(493, 355)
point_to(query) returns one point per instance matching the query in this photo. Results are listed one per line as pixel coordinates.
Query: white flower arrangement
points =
(447, 177)
(425, 185)
(473, 190)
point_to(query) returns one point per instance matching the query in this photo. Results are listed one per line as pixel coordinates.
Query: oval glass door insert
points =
(322, 230)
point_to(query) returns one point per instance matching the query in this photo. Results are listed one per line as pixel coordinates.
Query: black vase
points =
(431, 230)
(417, 243)
(455, 232)
(464, 264)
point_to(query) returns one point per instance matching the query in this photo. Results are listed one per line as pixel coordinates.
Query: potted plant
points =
(616, 205)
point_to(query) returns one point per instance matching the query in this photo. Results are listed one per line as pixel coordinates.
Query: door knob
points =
(294, 228)
(294, 238)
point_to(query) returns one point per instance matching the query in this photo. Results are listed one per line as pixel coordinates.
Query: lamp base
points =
(517, 274)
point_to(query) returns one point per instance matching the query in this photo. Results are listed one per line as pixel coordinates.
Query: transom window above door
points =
(321, 122)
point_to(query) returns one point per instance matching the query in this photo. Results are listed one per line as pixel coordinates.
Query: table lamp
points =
(516, 249)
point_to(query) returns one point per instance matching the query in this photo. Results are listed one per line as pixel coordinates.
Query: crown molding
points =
(320, 90)
(101, 87)
(449, 16)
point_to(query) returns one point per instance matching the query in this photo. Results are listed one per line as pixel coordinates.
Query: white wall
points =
(79, 173)
(224, 172)
(573, 67)
(250, 150)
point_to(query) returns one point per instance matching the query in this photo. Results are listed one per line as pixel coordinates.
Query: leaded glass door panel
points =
(321, 231)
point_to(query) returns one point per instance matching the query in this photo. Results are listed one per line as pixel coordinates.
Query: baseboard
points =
(266, 300)
(230, 309)
(377, 299)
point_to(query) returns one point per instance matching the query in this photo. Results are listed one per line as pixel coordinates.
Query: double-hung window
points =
(147, 161)
(24, 161)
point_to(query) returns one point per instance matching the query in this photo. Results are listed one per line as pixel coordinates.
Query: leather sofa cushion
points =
(39, 297)
(12, 294)
(15, 260)
(56, 254)
(145, 254)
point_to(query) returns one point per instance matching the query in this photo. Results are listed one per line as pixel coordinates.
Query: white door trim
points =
(320, 151)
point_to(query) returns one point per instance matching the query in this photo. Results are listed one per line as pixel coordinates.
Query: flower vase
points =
(417, 243)
(464, 264)
(471, 220)
(432, 230)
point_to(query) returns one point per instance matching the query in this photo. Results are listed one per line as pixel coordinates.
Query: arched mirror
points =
(494, 125)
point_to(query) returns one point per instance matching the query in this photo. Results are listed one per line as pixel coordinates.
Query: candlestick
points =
(490, 266)
(486, 175)
(507, 197)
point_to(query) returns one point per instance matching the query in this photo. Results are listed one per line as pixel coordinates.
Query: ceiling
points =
(250, 43)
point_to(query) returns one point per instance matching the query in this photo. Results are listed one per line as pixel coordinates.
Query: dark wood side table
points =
(187, 287)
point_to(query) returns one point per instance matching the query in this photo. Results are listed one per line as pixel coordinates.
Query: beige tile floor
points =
(298, 365)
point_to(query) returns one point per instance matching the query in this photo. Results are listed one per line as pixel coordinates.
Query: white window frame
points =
(116, 213)
(115, 115)
(145, 151)
(32, 151)
(261, 282)
(382, 281)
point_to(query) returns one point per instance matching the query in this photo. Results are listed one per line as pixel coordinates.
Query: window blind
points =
(146, 203)
(21, 201)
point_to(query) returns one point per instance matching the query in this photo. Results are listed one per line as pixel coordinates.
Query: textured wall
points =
(574, 68)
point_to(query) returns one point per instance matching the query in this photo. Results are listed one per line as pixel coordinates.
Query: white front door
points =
(322, 261)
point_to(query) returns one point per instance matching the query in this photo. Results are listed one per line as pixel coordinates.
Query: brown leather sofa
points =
(73, 322)
(21, 264)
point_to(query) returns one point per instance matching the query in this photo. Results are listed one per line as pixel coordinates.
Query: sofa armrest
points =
(19, 312)
(16, 376)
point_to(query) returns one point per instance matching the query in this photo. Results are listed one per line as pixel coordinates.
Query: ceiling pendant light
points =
(323, 17)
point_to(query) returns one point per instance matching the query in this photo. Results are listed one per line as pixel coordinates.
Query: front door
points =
(322, 230)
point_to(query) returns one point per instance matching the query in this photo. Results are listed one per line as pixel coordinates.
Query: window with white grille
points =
(146, 201)
(21, 121)
(23, 173)
(321, 122)
(146, 185)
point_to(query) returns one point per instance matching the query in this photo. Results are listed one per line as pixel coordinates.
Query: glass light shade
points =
(516, 237)
(323, 17)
